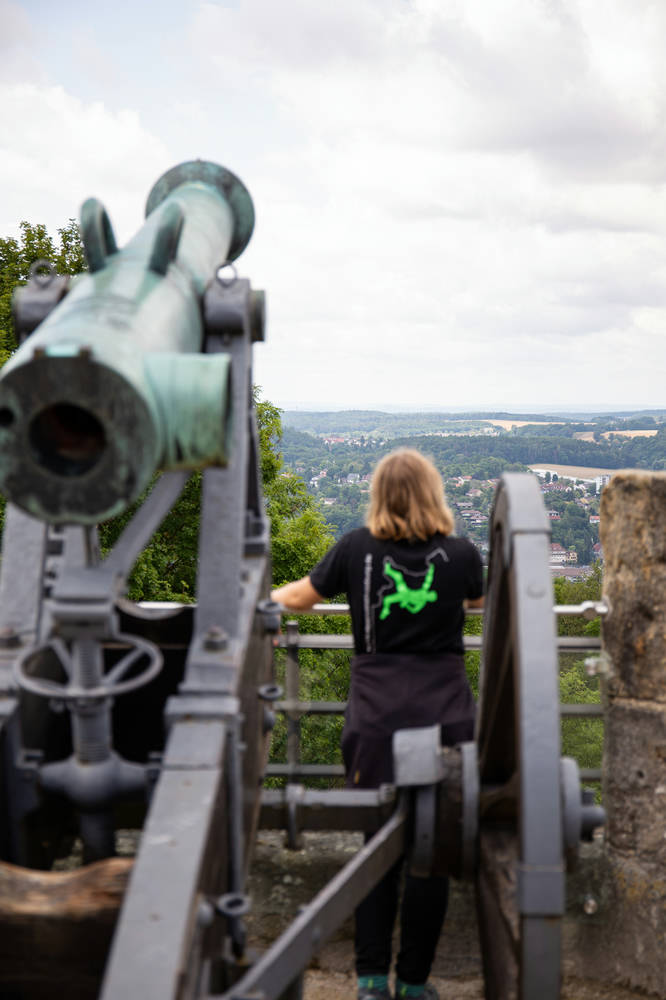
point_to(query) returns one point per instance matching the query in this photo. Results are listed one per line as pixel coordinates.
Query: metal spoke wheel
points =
(521, 865)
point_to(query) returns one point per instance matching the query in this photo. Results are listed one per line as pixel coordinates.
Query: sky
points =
(459, 203)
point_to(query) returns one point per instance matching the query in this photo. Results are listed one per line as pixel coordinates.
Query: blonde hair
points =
(407, 498)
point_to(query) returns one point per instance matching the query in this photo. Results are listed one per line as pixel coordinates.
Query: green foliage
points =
(323, 676)
(166, 569)
(582, 739)
(299, 535)
(269, 428)
(16, 258)
(473, 626)
(576, 592)
(300, 538)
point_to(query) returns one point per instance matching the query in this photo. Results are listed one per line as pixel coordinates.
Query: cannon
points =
(114, 715)
(111, 714)
(113, 384)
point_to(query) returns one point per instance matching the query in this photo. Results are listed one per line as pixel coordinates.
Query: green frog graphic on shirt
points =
(407, 598)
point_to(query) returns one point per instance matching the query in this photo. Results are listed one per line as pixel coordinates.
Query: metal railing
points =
(293, 640)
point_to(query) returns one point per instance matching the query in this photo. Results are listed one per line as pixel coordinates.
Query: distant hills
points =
(381, 424)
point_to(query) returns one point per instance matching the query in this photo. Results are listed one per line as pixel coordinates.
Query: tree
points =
(17, 257)
(576, 592)
(299, 535)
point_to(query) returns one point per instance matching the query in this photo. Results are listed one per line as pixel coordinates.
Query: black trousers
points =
(422, 913)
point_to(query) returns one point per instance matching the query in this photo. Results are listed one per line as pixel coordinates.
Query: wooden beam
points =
(56, 927)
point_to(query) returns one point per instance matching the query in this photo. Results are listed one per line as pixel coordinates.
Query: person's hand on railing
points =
(297, 596)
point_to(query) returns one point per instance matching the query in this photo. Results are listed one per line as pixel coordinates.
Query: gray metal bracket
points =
(417, 756)
(290, 954)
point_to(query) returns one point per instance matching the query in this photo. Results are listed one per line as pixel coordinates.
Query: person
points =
(407, 578)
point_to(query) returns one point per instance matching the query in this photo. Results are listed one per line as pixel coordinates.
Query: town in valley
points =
(572, 455)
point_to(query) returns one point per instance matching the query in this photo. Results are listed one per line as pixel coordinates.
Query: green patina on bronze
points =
(112, 385)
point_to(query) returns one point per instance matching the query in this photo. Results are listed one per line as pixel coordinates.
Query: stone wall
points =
(625, 940)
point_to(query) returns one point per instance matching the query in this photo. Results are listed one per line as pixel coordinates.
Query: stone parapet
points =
(621, 941)
(633, 537)
(629, 939)
(635, 779)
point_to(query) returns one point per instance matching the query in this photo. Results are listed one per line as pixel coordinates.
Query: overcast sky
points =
(459, 204)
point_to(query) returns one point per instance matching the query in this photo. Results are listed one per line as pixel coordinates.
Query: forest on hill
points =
(504, 448)
(379, 424)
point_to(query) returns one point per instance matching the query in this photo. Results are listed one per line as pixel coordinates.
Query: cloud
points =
(16, 39)
(453, 200)
(53, 146)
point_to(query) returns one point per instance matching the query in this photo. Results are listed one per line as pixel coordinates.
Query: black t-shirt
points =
(405, 597)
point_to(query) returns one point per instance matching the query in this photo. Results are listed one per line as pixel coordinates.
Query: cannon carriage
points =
(115, 715)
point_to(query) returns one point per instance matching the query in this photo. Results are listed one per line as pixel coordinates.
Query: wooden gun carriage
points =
(114, 715)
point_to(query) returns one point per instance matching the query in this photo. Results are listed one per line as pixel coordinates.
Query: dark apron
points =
(390, 691)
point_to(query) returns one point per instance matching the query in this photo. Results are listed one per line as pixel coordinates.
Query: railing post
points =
(292, 685)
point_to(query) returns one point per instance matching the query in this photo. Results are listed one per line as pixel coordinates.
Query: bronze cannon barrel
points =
(113, 384)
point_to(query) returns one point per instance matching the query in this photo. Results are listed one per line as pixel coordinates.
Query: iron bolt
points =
(232, 904)
(271, 613)
(268, 720)
(216, 638)
(9, 637)
(205, 913)
(270, 692)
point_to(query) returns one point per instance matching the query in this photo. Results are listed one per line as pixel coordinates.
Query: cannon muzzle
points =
(113, 384)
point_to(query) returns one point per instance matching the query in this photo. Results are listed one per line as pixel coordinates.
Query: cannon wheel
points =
(520, 873)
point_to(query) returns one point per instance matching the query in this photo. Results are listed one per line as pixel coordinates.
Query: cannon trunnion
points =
(113, 715)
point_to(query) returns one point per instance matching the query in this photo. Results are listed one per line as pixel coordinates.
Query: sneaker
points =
(374, 995)
(429, 993)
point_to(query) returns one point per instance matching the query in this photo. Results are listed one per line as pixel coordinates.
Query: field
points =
(589, 435)
(506, 425)
(572, 471)
(630, 434)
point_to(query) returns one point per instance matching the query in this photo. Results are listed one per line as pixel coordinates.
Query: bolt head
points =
(9, 637)
(216, 638)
